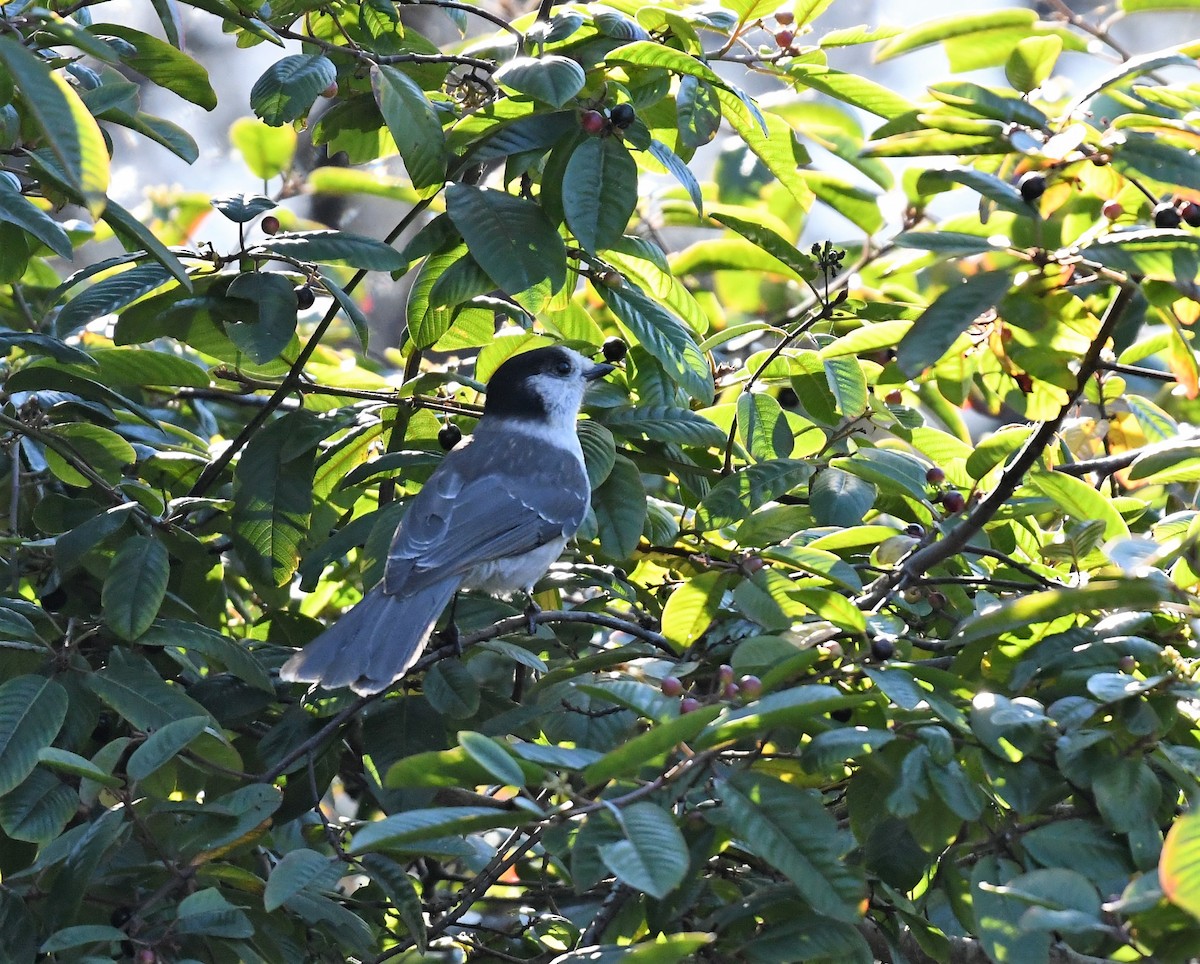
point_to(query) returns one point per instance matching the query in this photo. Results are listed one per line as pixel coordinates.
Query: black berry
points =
(1165, 215)
(1032, 185)
(935, 476)
(449, 436)
(1190, 212)
(305, 298)
(614, 349)
(270, 224)
(953, 502)
(622, 115)
(882, 648)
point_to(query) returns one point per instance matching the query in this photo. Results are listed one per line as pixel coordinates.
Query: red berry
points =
(1112, 210)
(784, 38)
(730, 691)
(671, 686)
(1032, 185)
(689, 704)
(1190, 212)
(752, 564)
(593, 122)
(936, 599)
(270, 224)
(784, 17)
(331, 90)
(305, 298)
(751, 687)
(725, 674)
(935, 476)
(1127, 664)
(894, 397)
(953, 502)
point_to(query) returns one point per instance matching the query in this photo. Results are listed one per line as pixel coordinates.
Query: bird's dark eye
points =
(562, 368)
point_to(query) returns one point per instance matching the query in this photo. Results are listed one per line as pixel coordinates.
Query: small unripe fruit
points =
(671, 686)
(751, 687)
(936, 599)
(953, 502)
(1165, 215)
(689, 704)
(611, 279)
(622, 115)
(752, 564)
(730, 691)
(882, 648)
(913, 595)
(305, 297)
(592, 122)
(331, 90)
(725, 674)
(1127, 664)
(935, 476)
(894, 397)
(1112, 210)
(614, 349)
(784, 17)
(1190, 212)
(1032, 185)
(784, 38)
(449, 436)
(270, 224)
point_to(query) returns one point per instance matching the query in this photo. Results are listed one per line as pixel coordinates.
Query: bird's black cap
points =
(510, 391)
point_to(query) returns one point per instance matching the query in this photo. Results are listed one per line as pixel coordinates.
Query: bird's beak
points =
(597, 371)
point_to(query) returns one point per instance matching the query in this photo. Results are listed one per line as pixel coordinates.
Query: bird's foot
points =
(531, 611)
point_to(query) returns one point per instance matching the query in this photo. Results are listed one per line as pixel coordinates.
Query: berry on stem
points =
(305, 297)
(1112, 210)
(751, 687)
(1032, 185)
(331, 90)
(614, 349)
(270, 224)
(953, 502)
(882, 648)
(1165, 215)
(689, 704)
(784, 39)
(894, 397)
(449, 436)
(1190, 212)
(784, 17)
(935, 476)
(622, 115)
(593, 122)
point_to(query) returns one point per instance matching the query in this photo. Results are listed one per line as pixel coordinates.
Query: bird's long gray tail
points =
(375, 643)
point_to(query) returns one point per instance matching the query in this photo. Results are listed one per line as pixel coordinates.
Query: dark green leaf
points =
(265, 327)
(243, 208)
(548, 78)
(288, 88)
(952, 313)
(413, 123)
(32, 710)
(653, 857)
(131, 686)
(15, 209)
(108, 295)
(738, 495)
(163, 64)
(620, 507)
(164, 744)
(135, 586)
(599, 192)
(300, 870)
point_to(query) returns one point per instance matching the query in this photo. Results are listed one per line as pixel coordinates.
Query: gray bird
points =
(493, 516)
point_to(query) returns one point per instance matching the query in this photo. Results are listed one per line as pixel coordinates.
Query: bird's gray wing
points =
(485, 502)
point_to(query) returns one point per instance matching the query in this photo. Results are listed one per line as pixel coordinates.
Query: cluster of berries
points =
(951, 499)
(1169, 213)
(599, 122)
(746, 689)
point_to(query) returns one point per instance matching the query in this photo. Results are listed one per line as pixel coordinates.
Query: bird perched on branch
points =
(493, 516)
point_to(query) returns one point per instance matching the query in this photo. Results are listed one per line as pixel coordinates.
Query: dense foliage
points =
(826, 676)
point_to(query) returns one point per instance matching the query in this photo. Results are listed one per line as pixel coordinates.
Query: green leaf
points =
(143, 367)
(417, 825)
(108, 295)
(620, 507)
(738, 495)
(664, 423)
(135, 235)
(413, 123)
(390, 877)
(763, 427)
(691, 608)
(15, 209)
(32, 711)
(268, 151)
(162, 63)
(264, 328)
(1032, 61)
(61, 121)
(38, 810)
(1079, 500)
(81, 935)
(510, 237)
(774, 142)
(552, 79)
(452, 690)
(135, 586)
(946, 28)
(243, 208)
(198, 640)
(600, 192)
(653, 857)
(67, 762)
(790, 829)
(132, 687)
(1043, 607)
(839, 498)
(646, 53)
(208, 913)
(104, 451)
(300, 870)
(665, 337)
(599, 450)
(629, 757)
(680, 171)
(351, 309)
(288, 88)
(493, 757)
(164, 745)
(273, 500)
(952, 313)
(991, 187)
(1179, 865)
(892, 471)
(771, 242)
